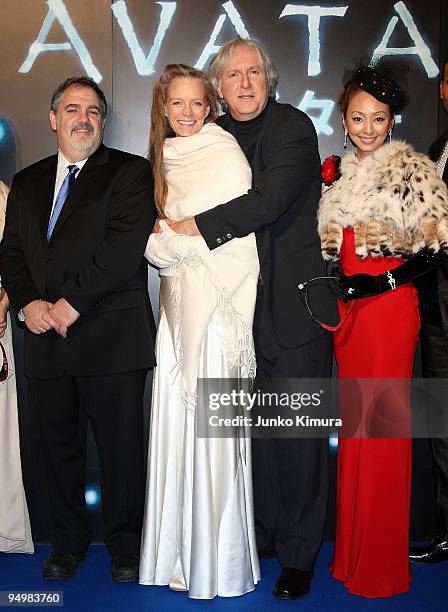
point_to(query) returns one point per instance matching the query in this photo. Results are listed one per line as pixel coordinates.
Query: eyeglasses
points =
(4, 370)
(303, 288)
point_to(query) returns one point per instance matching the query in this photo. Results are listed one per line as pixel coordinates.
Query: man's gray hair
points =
(221, 58)
(78, 81)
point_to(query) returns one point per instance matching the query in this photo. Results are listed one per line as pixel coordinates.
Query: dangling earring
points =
(345, 138)
(390, 135)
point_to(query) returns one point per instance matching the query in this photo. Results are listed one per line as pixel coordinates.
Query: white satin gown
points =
(198, 532)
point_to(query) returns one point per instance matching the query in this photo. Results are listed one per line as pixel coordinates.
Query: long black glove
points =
(366, 285)
(334, 269)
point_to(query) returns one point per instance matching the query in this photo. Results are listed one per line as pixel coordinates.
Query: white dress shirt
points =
(62, 172)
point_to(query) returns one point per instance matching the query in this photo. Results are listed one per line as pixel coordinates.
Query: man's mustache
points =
(83, 126)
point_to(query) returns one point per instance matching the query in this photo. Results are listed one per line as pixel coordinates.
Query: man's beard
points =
(83, 143)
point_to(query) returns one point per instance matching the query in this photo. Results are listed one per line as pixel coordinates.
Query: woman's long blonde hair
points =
(160, 128)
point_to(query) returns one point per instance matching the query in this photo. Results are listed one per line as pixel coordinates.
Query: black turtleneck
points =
(247, 132)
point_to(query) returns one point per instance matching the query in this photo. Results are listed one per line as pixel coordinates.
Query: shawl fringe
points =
(238, 338)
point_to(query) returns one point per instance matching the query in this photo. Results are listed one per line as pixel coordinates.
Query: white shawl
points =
(203, 171)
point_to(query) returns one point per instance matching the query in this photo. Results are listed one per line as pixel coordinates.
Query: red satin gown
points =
(378, 340)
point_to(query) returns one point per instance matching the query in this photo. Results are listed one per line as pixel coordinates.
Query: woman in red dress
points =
(387, 205)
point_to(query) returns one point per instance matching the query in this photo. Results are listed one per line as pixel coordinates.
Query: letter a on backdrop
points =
(421, 48)
(58, 12)
(211, 48)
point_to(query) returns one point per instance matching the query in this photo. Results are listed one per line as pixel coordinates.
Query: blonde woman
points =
(198, 532)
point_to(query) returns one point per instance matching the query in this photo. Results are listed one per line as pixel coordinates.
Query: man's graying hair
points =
(221, 58)
(82, 81)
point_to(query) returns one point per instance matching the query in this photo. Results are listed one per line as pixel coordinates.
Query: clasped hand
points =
(187, 226)
(41, 316)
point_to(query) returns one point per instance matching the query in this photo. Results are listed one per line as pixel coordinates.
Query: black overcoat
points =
(281, 208)
(94, 259)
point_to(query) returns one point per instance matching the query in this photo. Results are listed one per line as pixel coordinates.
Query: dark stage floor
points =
(92, 588)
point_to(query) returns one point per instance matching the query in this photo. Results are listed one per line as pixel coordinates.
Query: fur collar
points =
(393, 195)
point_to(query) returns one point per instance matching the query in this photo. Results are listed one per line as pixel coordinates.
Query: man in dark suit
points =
(433, 295)
(279, 141)
(72, 263)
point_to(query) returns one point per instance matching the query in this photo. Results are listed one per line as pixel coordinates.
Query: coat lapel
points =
(436, 150)
(84, 182)
(43, 194)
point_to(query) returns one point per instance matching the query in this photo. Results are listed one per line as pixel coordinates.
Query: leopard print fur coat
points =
(393, 200)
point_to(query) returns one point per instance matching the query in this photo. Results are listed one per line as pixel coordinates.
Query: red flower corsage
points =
(330, 170)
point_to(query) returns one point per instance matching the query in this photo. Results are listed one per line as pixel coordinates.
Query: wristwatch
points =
(21, 316)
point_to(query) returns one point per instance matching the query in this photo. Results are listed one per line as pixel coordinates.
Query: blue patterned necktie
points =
(62, 196)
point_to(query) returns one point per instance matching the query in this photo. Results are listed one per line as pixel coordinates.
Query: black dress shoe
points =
(434, 552)
(292, 583)
(61, 565)
(125, 568)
